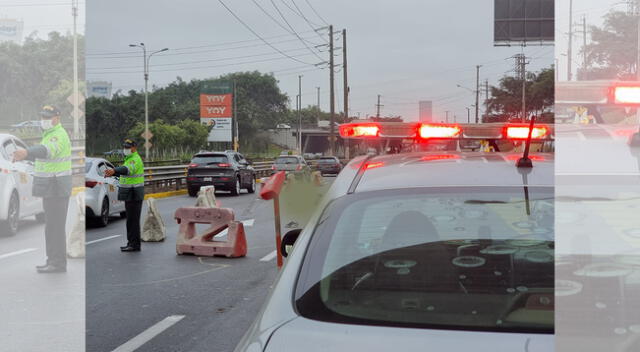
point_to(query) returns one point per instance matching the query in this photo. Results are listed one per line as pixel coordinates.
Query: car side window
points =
(237, 158)
(20, 144)
(8, 148)
(101, 169)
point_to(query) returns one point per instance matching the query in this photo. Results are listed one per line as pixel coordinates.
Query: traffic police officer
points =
(52, 182)
(131, 191)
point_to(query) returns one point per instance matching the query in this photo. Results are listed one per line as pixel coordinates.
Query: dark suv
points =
(227, 171)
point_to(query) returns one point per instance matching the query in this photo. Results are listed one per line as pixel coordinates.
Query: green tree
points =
(505, 103)
(612, 51)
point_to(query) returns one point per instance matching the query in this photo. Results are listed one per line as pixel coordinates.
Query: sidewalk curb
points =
(165, 194)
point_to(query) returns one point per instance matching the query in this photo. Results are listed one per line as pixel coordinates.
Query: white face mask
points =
(46, 124)
(127, 151)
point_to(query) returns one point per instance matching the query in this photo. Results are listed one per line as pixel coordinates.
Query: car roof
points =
(444, 169)
(592, 150)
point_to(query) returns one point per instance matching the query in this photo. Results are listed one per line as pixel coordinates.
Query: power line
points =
(274, 19)
(293, 30)
(316, 12)
(194, 62)
(311, 24)
(258, 35)
(201, 67)
(192, 52)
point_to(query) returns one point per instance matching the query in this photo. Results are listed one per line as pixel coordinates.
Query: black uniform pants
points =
(134, 209)
(55, 234)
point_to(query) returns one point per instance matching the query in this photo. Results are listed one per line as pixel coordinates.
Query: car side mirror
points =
(288, 240)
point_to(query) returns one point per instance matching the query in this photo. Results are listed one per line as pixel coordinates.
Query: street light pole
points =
(299, 115)
(146, 93)
(468, 115)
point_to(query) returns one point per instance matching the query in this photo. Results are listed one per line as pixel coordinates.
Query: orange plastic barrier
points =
(188, 241)
(271, 190)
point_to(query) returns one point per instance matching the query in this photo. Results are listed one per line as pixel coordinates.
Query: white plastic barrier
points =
(207, 197)
(153, 229)
(76, 239)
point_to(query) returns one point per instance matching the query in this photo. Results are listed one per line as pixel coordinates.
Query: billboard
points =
(99, 89)
(11, 30)
(524, 22)
(216, 110)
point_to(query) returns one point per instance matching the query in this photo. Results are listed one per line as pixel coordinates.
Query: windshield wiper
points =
(477, 201)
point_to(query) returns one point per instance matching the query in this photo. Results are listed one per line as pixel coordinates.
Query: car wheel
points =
(103, 220)
(236, 190)
(193, 191)
(10, 226)
(252, 185)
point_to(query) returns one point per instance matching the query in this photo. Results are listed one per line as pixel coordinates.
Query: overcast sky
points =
(594, 10)
(43, 16)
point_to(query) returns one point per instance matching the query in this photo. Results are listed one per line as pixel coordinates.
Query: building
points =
(426, 111)
(11, 30)
(99, 89)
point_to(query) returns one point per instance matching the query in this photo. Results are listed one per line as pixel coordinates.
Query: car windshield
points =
(210, 159)
(287, 160)
(452, 258)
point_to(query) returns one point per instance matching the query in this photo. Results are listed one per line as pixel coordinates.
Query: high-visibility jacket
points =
(135, 172)
(57, 163)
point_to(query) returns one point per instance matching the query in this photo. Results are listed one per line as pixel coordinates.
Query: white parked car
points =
(101, 194)
(16, 181)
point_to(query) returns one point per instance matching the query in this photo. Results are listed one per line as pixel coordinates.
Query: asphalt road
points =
(39, 312)
(165, 302)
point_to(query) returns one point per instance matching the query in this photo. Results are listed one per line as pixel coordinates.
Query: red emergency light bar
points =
(359, 130)
(522, 132)
(629, 95)
(433, 131)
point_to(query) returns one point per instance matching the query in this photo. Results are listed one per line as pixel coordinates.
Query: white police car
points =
(16, 182)
(420, 251)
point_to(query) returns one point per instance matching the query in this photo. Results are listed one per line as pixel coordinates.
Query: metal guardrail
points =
(174, 177)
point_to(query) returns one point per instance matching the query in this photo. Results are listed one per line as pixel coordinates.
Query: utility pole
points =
(521, 72)
(486, 99)
(236, 143)
(378, 107)
(477, 91)
(346, 87)
(447, 114)
(299, 115)
(585, 64)
(332, 136)
(76, 93)
(318, 105)
(570, 47)
(468, 115)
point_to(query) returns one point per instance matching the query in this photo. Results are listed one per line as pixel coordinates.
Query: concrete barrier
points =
(190, 242)
(76, 238)
(207, 197)
(153, 229)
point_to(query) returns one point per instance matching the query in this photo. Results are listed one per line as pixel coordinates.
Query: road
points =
(159, 301)
(39, 312)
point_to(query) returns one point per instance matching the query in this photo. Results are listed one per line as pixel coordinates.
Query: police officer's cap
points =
(128, 143)
(49, 112)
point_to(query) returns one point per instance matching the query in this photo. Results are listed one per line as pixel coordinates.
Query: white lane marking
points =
(247, 223)
(22, 251)
(149, 334)
(269, 256)
(103, 239)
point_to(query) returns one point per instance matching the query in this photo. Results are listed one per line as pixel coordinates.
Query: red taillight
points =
(224, 165)
(273, 167)
(522, 132)
(299, 167)
(430, 131)
(193, 165)
(90, 183)
(359, 130)
(626, 95)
